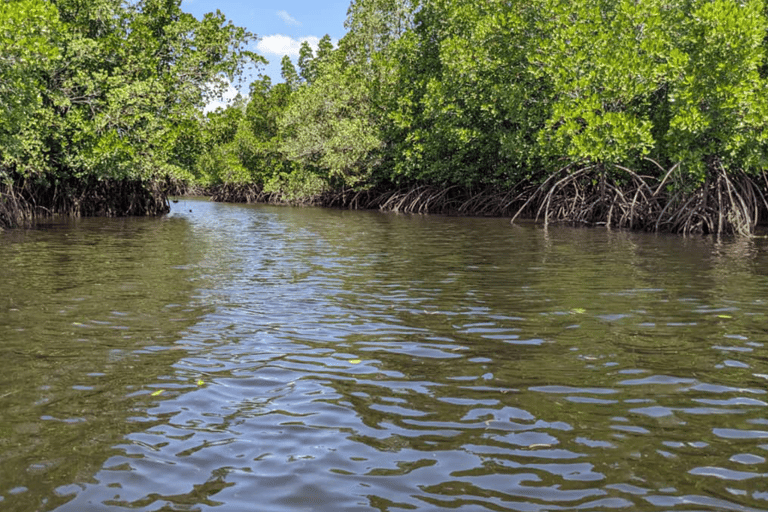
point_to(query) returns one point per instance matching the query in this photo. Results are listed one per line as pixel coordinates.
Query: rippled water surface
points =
(238, 358)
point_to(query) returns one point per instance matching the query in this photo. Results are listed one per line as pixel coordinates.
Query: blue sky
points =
(280, 25)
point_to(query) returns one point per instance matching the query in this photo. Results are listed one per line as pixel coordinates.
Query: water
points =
(231, 358)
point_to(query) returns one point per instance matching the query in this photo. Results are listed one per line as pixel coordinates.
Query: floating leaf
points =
(724, 316)
(200, 382)
(355, 361)
(158, 392)
(578, 311)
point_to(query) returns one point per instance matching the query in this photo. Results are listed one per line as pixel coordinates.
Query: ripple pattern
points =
(348, 361)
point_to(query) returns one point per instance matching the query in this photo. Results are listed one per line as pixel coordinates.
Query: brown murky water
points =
(234, 358)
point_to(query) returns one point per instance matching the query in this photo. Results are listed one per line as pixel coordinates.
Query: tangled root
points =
(15, 209)
(727, 203)
(424, 199)
(248, 193)
(237, 193)
(22, 202)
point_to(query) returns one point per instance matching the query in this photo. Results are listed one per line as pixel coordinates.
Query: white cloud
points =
(288, 19)
(279, 44)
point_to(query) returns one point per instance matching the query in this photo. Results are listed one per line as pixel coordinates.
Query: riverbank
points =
(24, 201)
(729, 203)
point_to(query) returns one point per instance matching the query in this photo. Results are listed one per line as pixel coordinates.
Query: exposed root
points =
(175, 187)
(424, 199)
(237, 193)
(15, 210)
(247, 193)
(22, 201)
(731, 203)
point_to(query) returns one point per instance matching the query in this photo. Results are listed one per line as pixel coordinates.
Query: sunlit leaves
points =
(329, 124)
(288, 73)
(474, 106)
(717, 101)
(27, 49)
(604, 60)
(242, 144)
(113, 89)
(491, 94)
(679, 79)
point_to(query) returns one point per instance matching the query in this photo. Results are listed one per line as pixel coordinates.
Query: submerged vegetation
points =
(643, 114)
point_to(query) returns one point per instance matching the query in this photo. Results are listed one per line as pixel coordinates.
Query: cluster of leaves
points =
(94, 90)
(320, 129)
(242, 145)
(490, 94)
(27, 49)
(440, 93)
(675, 81)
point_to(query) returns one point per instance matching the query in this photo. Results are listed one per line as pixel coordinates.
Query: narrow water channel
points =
(237, 358)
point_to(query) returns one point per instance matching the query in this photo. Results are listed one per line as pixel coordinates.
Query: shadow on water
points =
(331, 360)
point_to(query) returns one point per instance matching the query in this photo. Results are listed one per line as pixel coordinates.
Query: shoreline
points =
(727, 205)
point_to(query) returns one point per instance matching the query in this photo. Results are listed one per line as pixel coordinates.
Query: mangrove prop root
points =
(250, 193)
(731, 203)
(22, 201)
(238, 193)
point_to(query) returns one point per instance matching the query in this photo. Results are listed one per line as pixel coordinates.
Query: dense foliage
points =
(102, 99)
(648, 114)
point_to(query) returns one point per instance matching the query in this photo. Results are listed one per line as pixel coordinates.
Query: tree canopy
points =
(98, 91)
(644, 113)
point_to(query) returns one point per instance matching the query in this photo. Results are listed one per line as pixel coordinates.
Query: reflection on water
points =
(229, 357)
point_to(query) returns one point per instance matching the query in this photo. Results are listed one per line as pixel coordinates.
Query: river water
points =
(237, 358)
